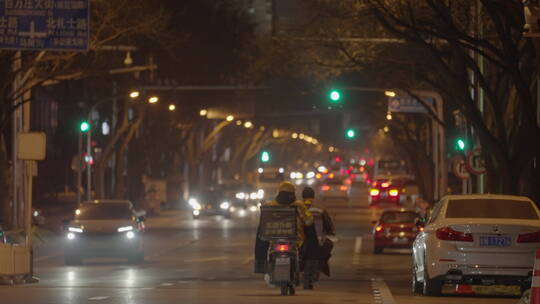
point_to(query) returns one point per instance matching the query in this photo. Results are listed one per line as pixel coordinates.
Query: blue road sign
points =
(61, 25)
(408, 104)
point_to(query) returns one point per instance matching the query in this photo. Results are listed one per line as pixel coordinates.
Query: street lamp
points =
(203, 112)
(230, 118)
(134, 94)
(238, 122)
(390, 93)
(294, 135)
(172, 107)
(389, 116)
(153, 99)
(331, 149)
(386, 129)
(248, 124)
(301, 136)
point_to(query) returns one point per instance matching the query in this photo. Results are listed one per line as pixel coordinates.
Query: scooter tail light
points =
(282, 247)
(385, 185)
(533, 237)
(393, 192)
(449, 234)
(325, 188)
(343, 188)
(378, 228)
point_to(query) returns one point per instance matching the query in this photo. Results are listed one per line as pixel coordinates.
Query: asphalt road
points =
(210, 260)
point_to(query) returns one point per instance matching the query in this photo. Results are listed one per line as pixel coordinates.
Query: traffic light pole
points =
(79, 169)
(89, 164)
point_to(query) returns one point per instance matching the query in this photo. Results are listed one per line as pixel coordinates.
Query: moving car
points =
(211, 202)
(477, 239)
(383, 191)
(335, 188)
(395, 229)
(104, 229)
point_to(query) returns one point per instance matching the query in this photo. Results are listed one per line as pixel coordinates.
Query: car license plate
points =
(399, 240)
(283, 261)
(495, 241)
(384, 194)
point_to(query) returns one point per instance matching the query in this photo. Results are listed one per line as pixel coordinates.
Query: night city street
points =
(270, 151)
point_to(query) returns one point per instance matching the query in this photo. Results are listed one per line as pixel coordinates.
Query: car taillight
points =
(385, 185)
(421, 229)
(379, 228)
(393, 192)
(374, 192)
(347, 181)
(449, 234)
(343, 188)
(282, 247)
(533, 237)
(325, 188)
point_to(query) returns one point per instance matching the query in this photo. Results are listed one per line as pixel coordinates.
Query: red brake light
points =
(343, 188)
(393, 192)
(379, 228)
(374, 192)
(533, 237)
(332, 175)
(421, 229)
(347, 181)
(282, 247)
(385, 185)
(325, 188)
(449, 234)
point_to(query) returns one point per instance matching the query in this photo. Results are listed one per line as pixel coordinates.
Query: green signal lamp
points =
(85, 126)
(350, 133)
(461, 144)
(335, 96)
(265, 157)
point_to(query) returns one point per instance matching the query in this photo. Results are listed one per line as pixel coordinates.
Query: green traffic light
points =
(461, 144)
(84, 126)
(350, 133)
(265, 157)
(335, 96)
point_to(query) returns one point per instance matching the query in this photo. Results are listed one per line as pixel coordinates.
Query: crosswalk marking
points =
(381, 292)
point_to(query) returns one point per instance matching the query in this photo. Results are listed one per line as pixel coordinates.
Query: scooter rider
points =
(285, 197)
(323, 226)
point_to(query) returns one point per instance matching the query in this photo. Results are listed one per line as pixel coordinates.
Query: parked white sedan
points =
(477, 239)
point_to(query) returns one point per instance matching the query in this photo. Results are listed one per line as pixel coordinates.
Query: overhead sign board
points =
(408, 104)
(61, 25)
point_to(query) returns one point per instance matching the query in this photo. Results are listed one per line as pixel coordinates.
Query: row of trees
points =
(461, 49)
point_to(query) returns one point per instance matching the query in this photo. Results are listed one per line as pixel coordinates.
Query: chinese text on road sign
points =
(44, 24)
(408, 104)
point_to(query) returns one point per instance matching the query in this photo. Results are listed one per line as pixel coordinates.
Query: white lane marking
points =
(98, 298)
(167, 284)
(212, 259)
(248, 260)
(52, 256)
(381, 292)
(358, 245)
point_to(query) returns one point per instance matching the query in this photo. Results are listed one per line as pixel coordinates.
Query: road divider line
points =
(381, 292)
(358, 245)
(212, 259)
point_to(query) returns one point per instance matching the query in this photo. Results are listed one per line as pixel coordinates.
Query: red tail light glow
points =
(331, 175)
(343, 188)
(374, 192)
(325, 188)
(379, 228)
(385, 185)
(393, 192)
(449, 234)
(533, 237)
(421, 229)
(347, 181)
(282, 247)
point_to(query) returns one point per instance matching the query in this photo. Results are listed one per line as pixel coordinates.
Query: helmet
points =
(308, 192)
(286, 187)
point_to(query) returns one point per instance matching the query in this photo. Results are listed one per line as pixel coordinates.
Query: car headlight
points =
(260, 194)
(130, 235)
(75, 229)
(124, 229)
(70, 236)
(196, 212)
(253, 208)
(224, 205)
(36, 213)
(253, 195)
(240, 195)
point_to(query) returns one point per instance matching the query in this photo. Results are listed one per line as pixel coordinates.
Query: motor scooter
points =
(284, 266)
